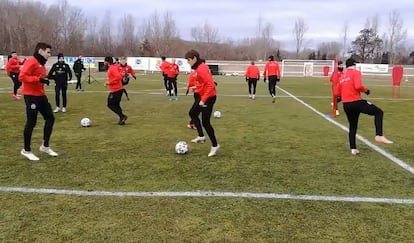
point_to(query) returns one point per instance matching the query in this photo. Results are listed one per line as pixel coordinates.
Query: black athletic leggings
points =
(78, 80)
(16, 83)
(61, 88)
(272, 85)
(205, 111)
(165, 77)
(35, 104)
(353, 110)
(252, 82)
(172, 84)
(114, 103)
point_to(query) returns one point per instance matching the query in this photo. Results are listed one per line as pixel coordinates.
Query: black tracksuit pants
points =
(61, 87)
(16, 83)
(205, 111)
(252, 83)
(353, 110)
(114, 103)
(34, 105)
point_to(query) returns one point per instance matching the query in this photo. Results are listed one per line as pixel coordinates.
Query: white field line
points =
(391, 157)
(210, 194)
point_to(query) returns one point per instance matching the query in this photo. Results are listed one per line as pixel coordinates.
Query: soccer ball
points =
(181, 147)
(85, 122)
(217, 114)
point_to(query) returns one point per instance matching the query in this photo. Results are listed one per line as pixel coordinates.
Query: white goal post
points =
(306, 68)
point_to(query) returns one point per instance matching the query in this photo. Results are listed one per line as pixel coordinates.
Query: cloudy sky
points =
(237, 19)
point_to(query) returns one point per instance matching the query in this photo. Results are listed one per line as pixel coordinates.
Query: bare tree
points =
(127, 34)
(299, 31)
(105, 35)
(207, 36)
(396, 32)
(373, 23)
(345, 38)
(161, 34)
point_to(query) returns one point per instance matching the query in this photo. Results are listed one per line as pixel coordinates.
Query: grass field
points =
(278, 149)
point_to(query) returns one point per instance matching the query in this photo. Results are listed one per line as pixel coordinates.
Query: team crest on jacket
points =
(33, 106)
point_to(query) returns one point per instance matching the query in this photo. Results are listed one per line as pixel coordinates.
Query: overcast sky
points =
(237, 19)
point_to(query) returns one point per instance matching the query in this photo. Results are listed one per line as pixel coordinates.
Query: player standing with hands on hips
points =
(33, 77)
(206, 89)
(349, 88)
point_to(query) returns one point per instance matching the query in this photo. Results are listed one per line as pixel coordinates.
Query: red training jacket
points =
(114, 78)
(30, 76)
(173, 70)
(350, 85)
(13, 65)
(191, 84)
(126, 69)
(252, 71)
(271, 69)
(164, 67)
(205, 86)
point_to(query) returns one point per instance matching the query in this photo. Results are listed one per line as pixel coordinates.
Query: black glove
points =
(367, 92)
(277, 79)
(338, 99)
(186, 92)
(134, 77)
(215, 83)
(44, 81)
(264, 80)
(247, 79)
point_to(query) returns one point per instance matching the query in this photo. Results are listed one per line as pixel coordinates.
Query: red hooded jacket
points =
(30, 76)
(205, 86)
(114, 78)
(350, 85)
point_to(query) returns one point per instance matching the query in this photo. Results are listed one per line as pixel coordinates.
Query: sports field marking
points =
(210, 194)
(391, 157)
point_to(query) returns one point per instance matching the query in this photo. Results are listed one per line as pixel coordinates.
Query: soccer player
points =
(13, 70)
(334, 79)
(252, 75)
(78, 68)
(164, 66)
(191, 85)
(33, 77)
(61, 73)
(272, 71)
(206, 89)
(172, 74)
(126, 71)
(115, 89)
(349, 88)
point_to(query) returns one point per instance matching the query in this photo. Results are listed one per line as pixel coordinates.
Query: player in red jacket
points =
(334, 79)
(33, 76)
(172, 74)
(114, 84)
(349, 88)
(13, 70)
(126, 72)
(272, 71)
(164, 66)
(252, 75)
(206, 89)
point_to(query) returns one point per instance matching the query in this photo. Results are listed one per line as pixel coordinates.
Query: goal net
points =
(306, 68)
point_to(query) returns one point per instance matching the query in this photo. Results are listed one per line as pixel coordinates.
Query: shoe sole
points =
(202, 141)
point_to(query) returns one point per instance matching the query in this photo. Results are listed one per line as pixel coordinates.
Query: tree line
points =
(70, 31)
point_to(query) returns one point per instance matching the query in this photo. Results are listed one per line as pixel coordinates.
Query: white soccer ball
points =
(181, 147)
(85, 122)
(217, 114)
